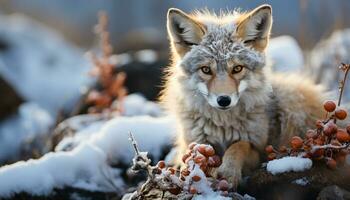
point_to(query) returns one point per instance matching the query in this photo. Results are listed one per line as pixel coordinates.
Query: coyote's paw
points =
(232, 174)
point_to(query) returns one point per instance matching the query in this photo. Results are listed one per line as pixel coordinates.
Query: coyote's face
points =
(220, 57)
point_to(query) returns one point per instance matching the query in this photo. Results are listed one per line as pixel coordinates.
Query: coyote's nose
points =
(224, 101)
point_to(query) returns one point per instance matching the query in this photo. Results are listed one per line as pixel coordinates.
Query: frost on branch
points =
(192, 182)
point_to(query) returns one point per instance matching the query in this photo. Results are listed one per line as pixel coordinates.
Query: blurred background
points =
(306, 20)
(44, 70)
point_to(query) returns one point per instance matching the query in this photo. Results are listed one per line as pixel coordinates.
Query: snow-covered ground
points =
(30, 121)
(86, 165)
(288, 164)
(40, 64)
(46, 70)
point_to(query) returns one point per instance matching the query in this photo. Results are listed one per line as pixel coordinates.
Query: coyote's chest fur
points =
(223, 129)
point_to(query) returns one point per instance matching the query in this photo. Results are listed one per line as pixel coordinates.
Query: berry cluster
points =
(195, 177)
(328, 142)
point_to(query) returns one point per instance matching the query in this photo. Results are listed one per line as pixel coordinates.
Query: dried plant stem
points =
(134, 144)
(345, 67)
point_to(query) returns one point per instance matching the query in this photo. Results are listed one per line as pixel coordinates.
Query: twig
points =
(134, 143)
(329, 146)
(346, 68)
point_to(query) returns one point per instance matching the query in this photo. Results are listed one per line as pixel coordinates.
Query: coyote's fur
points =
(219, 90)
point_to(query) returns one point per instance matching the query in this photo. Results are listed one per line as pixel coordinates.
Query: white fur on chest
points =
(223, 128)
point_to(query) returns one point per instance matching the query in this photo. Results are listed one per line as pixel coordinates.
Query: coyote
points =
(221, 94)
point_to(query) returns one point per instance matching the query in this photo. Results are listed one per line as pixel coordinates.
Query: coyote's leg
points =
(238, 156)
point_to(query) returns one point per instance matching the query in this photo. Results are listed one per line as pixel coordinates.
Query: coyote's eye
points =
(206, 70)
(237, 69)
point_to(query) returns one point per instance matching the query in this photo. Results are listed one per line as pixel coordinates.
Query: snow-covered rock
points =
(136, 104)
(285, 54)
(30, 121)
(40, 64)
(112, 136)
(288, 164)
(85, 165)
(82, 167)
(327, 56)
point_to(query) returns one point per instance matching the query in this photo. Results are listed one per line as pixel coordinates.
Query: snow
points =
(151, 133)
(301, 181)
(146, 56)
(40, 64)
(211, 196)
(56, 170)
(30, 121)
(136, 104)
(287, 164)
(85, 166)
(285, 54)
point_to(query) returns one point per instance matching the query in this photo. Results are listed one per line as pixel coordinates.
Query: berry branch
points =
(193, 179)
(327, 142)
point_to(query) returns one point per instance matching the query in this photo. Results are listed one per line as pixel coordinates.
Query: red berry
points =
(319, 141)
(318, 154)
(269, 149)
(348, 129)
(329, 106)
(171, 170)
(330, 129)
(283, 149)
(175, 190)
(185, 157)
(319, 124)
(271, 156)
(342, 136)
(209, 151)
(223, 185)
(185, 172)
(311, 134)
(296, 142)
(196, 178)
(217, 161)
(161, 164)
(193, 190)
(340, 113)
(331, 163)
(199, 159)
(201, 148)
(192, 145)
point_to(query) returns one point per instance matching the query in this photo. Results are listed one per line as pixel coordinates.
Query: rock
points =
(333, 192)
(285, 54)
(10, 100)
(264, 185)
(327, 56)
(68, 193)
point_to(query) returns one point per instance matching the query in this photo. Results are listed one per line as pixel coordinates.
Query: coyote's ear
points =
(183, 31)
(254, 28)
